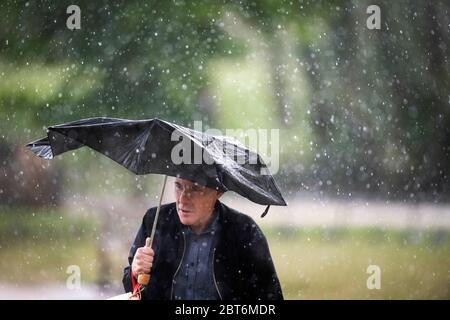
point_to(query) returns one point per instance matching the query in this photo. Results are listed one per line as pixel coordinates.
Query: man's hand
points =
(143, 259)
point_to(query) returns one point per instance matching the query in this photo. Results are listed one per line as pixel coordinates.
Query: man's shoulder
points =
(236, 217)
(166, 209)
(242, 226)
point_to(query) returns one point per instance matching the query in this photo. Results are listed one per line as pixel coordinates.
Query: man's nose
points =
(185, 195)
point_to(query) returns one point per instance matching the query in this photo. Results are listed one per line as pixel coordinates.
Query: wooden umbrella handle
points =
(144, 279)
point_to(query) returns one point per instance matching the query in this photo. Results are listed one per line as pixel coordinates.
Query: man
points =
(203, 250)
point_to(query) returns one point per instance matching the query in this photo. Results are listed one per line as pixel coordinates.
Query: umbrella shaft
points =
(157, 211)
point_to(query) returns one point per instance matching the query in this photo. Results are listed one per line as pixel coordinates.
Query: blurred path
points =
(53, 291)
(128, 212)
(359, 213)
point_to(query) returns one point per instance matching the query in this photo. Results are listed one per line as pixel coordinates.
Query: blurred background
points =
(364, 119)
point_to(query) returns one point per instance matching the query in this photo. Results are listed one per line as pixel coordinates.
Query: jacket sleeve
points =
(139, 241)
(260, 270)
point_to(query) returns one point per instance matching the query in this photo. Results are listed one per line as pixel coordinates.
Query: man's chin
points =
(185, 220)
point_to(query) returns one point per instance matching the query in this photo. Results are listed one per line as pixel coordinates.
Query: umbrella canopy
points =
(156, 146)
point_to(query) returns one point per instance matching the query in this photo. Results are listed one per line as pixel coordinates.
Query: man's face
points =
(194, 203)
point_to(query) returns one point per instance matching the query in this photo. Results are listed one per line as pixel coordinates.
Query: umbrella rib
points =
(152, 235)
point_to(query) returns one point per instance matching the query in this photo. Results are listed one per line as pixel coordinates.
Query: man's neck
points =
(198, 229)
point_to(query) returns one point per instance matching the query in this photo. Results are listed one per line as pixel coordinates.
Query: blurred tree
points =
(361, 111)
(130, 59)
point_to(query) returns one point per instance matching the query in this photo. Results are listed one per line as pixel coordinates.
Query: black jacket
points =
(242, 268)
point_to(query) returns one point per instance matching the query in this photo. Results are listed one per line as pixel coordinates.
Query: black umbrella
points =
(157, 146)
(149, 146)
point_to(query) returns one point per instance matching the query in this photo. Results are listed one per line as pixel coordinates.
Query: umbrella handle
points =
(144, 278)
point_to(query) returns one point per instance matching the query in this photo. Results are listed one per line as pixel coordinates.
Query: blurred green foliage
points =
(312, 263)
(48, 223)
(360, 111)
(37, 246)
(316, 263)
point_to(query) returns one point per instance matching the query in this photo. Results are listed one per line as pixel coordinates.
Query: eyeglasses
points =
(190, 189)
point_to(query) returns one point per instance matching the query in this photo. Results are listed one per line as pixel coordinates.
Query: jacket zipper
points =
(214, 275)
(181, 261)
